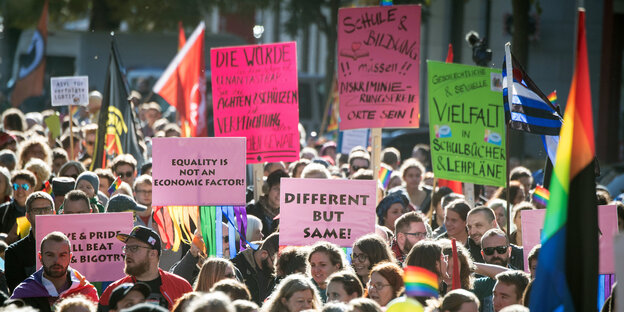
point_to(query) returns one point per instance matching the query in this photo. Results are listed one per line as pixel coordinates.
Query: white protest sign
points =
(72, 90)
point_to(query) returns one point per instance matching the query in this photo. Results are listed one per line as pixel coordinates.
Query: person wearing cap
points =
(89, 183)
(127, 295)
(142, 252)
(257, 268)
(267, 207)
(55, 280)
(20, 256)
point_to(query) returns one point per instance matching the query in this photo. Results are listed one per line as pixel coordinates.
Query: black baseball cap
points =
(143, 234)
(122, 290)
(122, 203)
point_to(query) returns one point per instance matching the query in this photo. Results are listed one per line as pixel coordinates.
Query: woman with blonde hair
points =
(35, 147)
(293, 294)
(325, 258)
(212, 271)
(41, 170)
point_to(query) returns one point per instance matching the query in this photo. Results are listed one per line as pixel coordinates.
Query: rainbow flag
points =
(567, 275)
(552, 97)
(384, 176)
(420, 282)
(48, 188)
(114, 186)
(541, 195)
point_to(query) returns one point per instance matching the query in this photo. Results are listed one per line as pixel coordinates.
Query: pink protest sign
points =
(255, 95)
(337, 211)
(533, 223)
(198, 171)
(378, 66)
(96, 251)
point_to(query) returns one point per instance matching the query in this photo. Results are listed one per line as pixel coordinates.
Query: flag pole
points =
(509, 81)
(376, 157)
(71, 133)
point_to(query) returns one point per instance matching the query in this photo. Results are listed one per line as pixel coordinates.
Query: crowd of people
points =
(419, 223)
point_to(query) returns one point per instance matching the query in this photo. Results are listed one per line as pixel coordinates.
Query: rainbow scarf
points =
(541, 195)
(384, 177)
(567, 275)
(420, 282)
(114, 186)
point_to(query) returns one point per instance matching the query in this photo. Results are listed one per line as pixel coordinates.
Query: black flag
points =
(117, 132)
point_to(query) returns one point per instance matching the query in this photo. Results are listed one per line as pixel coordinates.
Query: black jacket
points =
(269, 225)
(20, 260)
(259, 282)
(8, 214)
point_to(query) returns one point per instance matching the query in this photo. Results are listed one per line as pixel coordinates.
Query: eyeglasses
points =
(127, 174)
(132, 249)
(361, 257)
(499, 249)
(90, 143)
(144, 192)
(377, 286)
(356, 168)
(41, 210)
(417, 234)
(24, 186)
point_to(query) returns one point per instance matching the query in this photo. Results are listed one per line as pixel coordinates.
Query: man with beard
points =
(142, 252)
(495, 249)
(55, 280)
(478, 222)
(409, 229)
(256, 267)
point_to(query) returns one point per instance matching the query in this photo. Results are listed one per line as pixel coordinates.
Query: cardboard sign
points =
(533, 223)
(467, 123)
(337, 211)
(378, 66)
(69, 90)
(255, 95)
(198, 171)
(349, 139)
(96, 251)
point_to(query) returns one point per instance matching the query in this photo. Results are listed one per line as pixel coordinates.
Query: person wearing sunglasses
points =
(19, 257)
(124, 166)
(22, 184)
(358, 159)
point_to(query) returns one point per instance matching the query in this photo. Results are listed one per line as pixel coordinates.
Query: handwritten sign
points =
(378, 66)
(69, 90)
(198, 171)
(337, 211)
(96, 251)
(467, 123)
(533, 223)
(255, 95)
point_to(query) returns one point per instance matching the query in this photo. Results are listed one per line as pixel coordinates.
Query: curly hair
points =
(26, 147)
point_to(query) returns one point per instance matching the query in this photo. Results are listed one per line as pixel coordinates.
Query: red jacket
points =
(172, 287)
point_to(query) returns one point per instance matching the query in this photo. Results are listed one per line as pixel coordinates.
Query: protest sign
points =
(255, 95)
(69, 90)
(378, 66)
(349, 139)
(198, 171)
(96, 251)
(337, 211)
(467, 123)
(533, 223)
(618, 254)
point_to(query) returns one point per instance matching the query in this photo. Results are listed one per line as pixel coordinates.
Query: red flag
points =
(181, 37)
(449, 54)
(29, 80)
(456, 264)
(183, 84)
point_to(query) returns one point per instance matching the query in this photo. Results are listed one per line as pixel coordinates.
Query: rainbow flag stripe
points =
(420, 282)
(384, 176)
(48, 188)
(567, 275)
(541, 195)
(114, 186)
(552, 97)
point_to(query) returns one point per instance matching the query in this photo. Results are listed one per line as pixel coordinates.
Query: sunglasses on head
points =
(499, 249)
(24, 186)
(127, 174)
